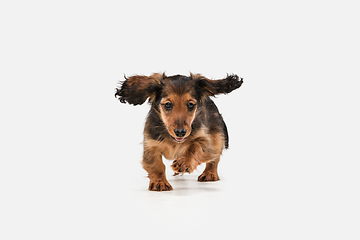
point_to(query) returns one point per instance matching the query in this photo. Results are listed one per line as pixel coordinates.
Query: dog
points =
(183, 124)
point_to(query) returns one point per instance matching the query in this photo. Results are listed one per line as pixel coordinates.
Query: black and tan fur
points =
(183, 124)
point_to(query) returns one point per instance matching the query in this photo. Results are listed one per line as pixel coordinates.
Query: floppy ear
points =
(207, 87)
(136, 89)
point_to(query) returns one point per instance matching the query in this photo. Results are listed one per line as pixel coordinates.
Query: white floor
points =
(70, 152)
(103, 195)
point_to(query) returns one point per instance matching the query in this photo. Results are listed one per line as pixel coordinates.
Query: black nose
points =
(180, 132)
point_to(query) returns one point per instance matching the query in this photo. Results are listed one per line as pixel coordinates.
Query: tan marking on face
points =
(179, 117)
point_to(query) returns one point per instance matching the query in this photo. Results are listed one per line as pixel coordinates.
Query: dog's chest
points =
(172, 151)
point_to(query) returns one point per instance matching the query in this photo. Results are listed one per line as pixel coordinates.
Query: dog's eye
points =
(168, 106)
(190, 106)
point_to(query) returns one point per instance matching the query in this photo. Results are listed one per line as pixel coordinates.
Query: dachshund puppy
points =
(183, 124)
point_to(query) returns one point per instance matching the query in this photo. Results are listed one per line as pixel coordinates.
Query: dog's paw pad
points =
(181, 167)
(208, 177)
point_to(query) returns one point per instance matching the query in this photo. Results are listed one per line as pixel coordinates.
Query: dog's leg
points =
(189, 161)
(210, 172)
(152, 163)
(200, 152)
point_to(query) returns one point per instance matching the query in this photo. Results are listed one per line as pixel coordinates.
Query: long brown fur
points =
(183, 124)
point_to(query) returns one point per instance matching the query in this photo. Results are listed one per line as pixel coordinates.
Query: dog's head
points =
(177, 99)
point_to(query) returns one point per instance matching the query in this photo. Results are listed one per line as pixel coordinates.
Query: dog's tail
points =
(226, 135)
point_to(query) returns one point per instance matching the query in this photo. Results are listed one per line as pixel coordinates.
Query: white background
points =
(70, 152)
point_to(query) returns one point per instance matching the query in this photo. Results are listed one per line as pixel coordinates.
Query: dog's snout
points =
(180, 132)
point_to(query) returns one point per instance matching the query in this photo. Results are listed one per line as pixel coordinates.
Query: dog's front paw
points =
(181, 166)
(208, 177)
(160, 185)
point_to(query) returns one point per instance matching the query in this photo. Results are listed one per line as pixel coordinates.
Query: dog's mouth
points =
(178, 139)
